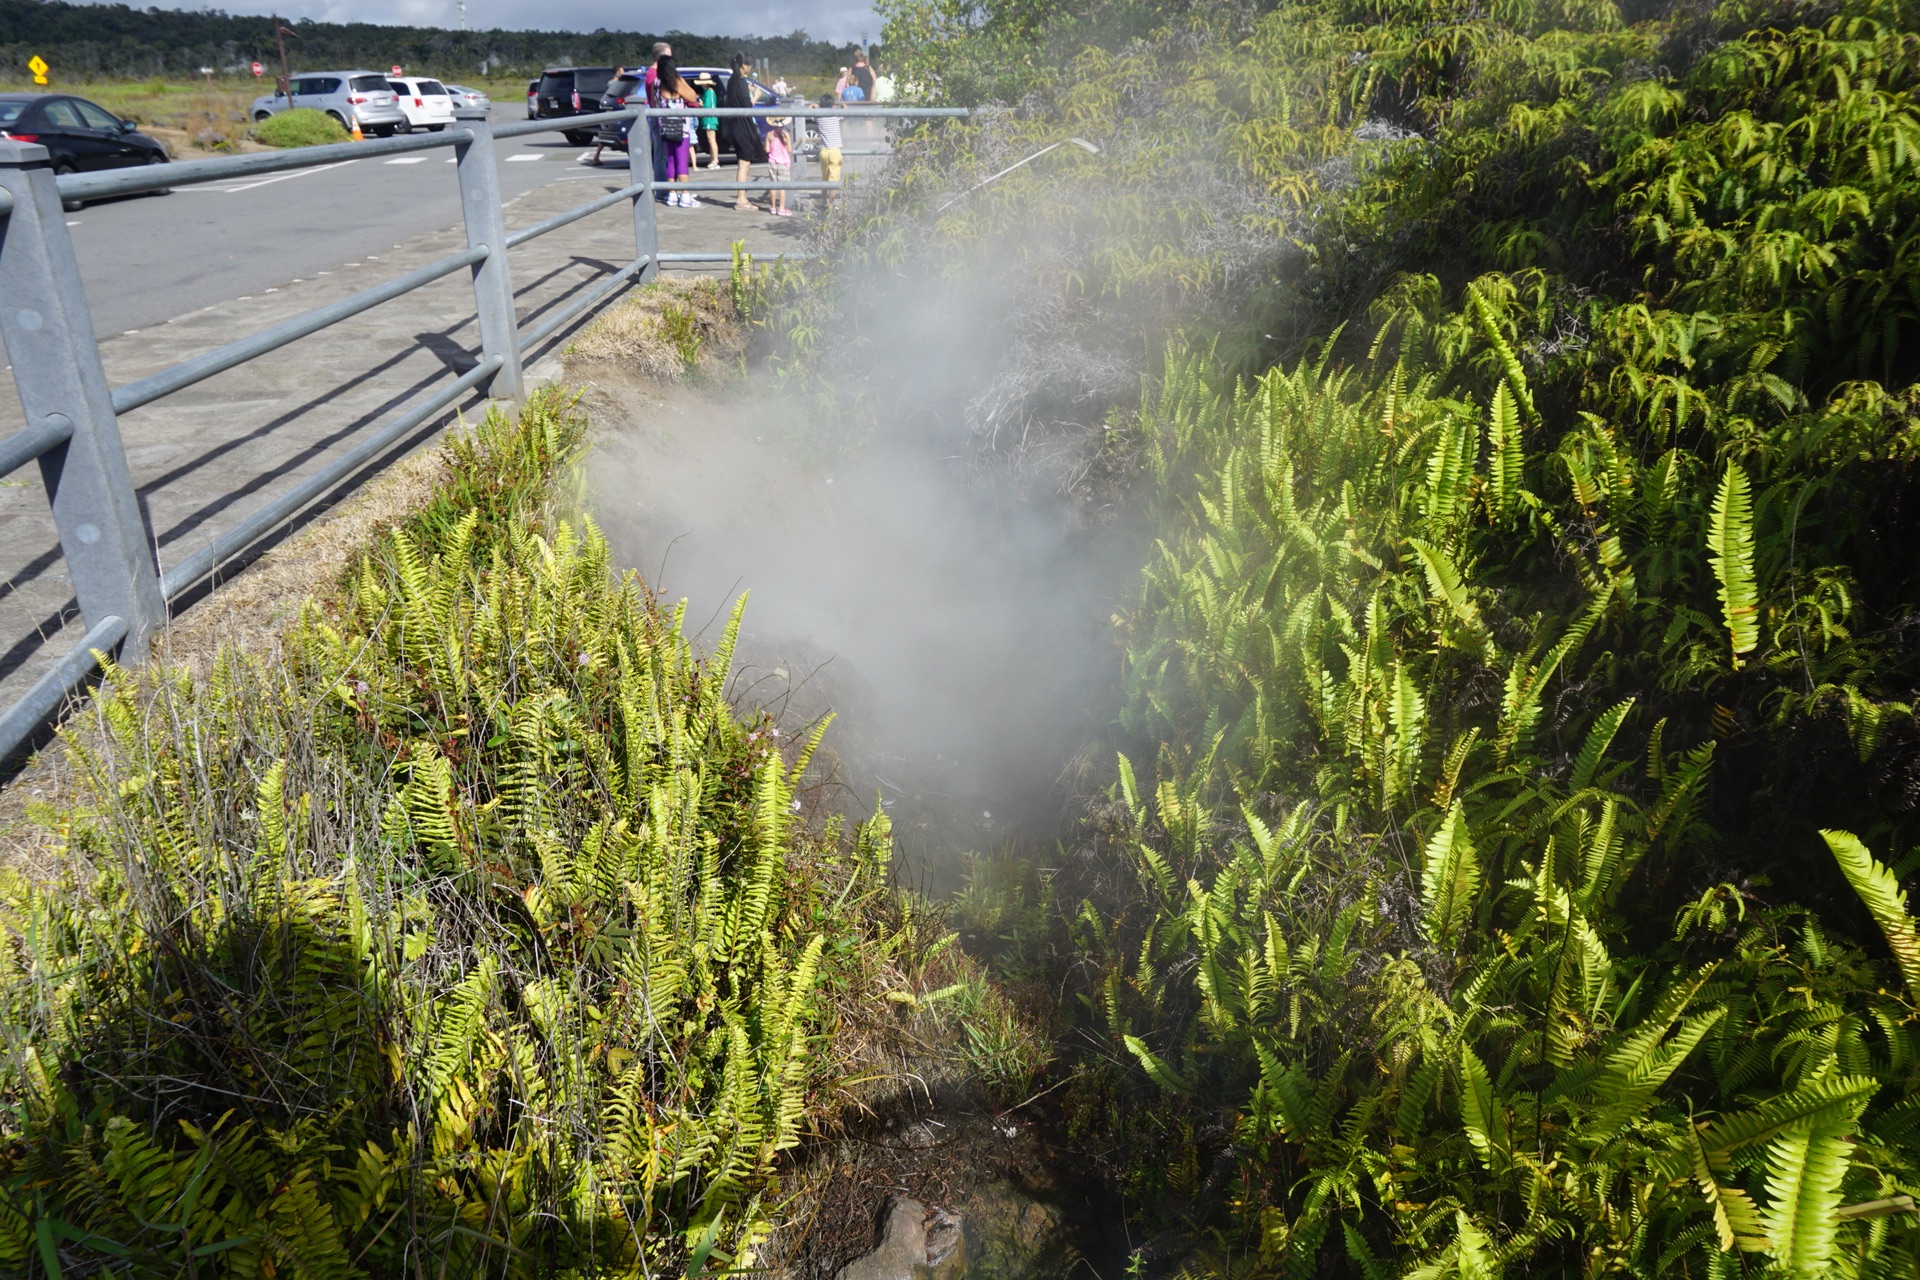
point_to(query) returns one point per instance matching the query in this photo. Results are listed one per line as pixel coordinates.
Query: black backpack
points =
(672, 128)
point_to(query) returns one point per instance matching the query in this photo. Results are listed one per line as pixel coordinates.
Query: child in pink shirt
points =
(780, 166)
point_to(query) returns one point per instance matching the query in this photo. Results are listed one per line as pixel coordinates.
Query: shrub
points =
(479, 924)
(300, 127)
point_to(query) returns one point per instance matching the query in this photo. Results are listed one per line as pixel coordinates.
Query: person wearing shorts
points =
(779, 166)
(830, 143)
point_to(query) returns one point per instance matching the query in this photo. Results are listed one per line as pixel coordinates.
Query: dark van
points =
(571, 91)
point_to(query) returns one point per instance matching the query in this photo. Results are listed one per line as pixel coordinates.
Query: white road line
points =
(248, 186)
(73, 224)
(523, 156)
(408, 160)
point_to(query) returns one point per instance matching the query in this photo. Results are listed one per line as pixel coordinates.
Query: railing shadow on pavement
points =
(120, 587)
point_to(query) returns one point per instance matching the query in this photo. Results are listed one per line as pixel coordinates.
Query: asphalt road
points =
(147, 259)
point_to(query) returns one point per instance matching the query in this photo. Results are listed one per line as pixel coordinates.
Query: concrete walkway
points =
(203, 459)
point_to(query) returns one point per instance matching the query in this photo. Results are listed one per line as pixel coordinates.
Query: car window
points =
(96, 117)
(591, 80)
(623, 87)
(10, 111)
(369, 84)
(399, 86)
(556, 82)
(60, 112)
(433, 89)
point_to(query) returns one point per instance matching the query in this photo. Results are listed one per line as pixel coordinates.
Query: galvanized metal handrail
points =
(22, 447)
(586, 302)
(846, 113)
(187, 173)
(199, 368)
(517, 238)
(564, 124)
(38, 704)
(72, 414)
(251, 530)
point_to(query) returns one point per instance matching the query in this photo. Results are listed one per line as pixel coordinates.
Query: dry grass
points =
(186, 117)
(666, 331)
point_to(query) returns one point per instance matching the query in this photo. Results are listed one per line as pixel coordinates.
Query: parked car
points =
(533, 98)
(625, 89)
(347, 96)
(80, 136)
(465, 97)
(425, 103)
(571, 91)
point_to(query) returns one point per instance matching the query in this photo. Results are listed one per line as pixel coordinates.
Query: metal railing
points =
(72, 413)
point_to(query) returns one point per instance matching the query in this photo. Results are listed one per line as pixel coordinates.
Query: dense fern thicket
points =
(1517, 757)
(472, 934)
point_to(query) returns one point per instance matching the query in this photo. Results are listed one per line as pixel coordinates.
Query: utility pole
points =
(280, 34)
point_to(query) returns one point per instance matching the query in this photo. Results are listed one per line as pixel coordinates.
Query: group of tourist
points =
(673, 138)
(862, 83)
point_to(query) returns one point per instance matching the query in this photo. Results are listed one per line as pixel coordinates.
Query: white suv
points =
(347, 96)
(425, 103)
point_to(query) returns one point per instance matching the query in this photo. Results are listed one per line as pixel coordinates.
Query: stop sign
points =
(257, 68)
(394, 72)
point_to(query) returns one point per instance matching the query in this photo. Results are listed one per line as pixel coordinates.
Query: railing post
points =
(646, 225)
(492, 277)
(48, 332)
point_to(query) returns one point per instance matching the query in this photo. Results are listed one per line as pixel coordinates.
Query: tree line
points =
(92, 41)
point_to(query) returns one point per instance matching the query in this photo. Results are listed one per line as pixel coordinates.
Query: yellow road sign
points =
(38, 65)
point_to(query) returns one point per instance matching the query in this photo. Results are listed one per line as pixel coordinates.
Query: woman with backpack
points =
(743, 132)
(676, 132)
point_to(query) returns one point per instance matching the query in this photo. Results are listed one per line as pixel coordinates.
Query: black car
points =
(81, 136)
(571, 91)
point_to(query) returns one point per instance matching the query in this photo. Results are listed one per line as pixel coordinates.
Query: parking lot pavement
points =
(148, 259)
(206, 457)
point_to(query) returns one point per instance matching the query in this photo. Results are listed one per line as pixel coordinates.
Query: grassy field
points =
(202, 115)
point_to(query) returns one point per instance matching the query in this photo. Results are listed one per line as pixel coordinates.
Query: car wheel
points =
(341, 121)
(578, 138)
(388, 130)
(436, 128)
(159, 191)
(260, 117)
(62, 167)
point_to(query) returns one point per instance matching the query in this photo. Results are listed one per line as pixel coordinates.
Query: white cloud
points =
(823, 19)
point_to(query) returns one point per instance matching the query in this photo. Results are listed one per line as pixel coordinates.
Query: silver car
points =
(465, 97)
(347, 96)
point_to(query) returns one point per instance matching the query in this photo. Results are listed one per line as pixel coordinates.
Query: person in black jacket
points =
(742, 133)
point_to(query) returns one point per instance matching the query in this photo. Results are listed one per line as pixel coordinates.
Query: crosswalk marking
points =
(408, 160)
(522, 156)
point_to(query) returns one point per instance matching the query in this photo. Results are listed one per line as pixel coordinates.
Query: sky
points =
(822, 19)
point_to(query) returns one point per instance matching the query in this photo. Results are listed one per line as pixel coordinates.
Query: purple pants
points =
(679, 158)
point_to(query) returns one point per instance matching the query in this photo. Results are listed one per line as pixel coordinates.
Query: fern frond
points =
(1730, 540)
